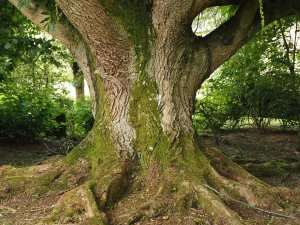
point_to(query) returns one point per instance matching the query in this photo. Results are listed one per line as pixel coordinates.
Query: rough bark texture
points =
(144, 66)
(113, 61)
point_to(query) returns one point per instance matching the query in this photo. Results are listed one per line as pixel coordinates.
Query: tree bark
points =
(144, 66)
(78, 82)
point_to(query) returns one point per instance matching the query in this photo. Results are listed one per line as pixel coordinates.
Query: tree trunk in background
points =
(78, 81)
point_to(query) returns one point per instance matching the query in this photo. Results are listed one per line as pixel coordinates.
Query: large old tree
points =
(143, 161)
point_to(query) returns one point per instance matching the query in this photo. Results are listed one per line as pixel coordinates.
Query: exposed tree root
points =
(237, 185)
(248, 205)
(121, 193)
(75, 207)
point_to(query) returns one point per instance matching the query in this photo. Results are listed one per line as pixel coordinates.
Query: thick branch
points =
(110, 48)
(201, 5)
(232, 35)
(228, 38)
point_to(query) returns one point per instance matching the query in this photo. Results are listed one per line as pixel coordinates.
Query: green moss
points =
(15, 184)
(52, 180)
(151, 143)
(98, 144)
(212, 181)
(268, 169)
(115, 191)
(76, 208)
(98, 218)
(97, 193)
(134, 19)
(184, 201)
(91, 59)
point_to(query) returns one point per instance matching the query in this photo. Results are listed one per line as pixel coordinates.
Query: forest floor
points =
(272, 156)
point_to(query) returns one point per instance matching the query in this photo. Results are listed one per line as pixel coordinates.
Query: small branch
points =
(295, 43)
(285, 44)
(250, 206)
(50, 152)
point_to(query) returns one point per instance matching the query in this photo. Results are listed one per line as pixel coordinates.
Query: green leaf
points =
(45, 20)
(51, 26)
(23, 3)
(7, 45)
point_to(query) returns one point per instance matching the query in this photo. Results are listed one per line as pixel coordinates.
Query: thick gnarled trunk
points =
(154, 56)
(144, 65)
(146, 85)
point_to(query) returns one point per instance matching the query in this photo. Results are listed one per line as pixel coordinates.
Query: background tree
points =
(260, 82)
(144, 65)
(29, 63)
(33, 71)
(78, 81)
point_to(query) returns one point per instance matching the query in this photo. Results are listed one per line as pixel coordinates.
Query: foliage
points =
(215, 110)
(33, 67)
(80, 119)
(26, 113)
(261, 83)
(211, 18)
(21, 42)
(53, 14)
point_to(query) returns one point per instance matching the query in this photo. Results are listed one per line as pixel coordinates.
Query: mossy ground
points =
(69, 193)
(272, 156)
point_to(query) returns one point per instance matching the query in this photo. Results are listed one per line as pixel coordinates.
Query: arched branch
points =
(233, 34)
(223, 42)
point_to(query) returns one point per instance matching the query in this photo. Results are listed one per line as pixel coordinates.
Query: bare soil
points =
(23, 208)
(272, 156)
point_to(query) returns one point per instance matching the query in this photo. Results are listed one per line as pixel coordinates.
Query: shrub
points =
(25, 114)
(80, 119)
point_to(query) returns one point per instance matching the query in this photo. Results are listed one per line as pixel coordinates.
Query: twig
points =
(250, 206)
(50, 152)
(68, 144)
